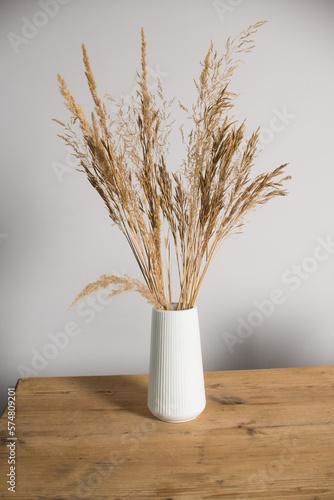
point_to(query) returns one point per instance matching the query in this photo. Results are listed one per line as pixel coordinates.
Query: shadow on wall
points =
(3, 398)
(287, 343)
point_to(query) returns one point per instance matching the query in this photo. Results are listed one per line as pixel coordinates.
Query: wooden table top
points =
(265, 434)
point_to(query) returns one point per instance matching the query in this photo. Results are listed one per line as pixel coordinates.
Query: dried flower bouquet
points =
(183, 216)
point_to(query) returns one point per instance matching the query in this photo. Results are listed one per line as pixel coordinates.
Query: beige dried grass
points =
(187, 214)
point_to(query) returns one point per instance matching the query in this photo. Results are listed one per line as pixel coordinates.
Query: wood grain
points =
(265, 434)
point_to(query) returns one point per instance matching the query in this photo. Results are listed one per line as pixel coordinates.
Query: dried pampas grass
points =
(185, 215)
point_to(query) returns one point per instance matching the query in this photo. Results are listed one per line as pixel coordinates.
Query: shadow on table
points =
(118, 392)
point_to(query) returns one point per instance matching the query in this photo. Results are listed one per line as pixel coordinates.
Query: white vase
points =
(176, 391)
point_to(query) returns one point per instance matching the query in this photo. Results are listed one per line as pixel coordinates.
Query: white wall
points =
(56, 235)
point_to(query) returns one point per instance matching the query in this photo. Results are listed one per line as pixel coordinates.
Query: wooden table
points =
(265, 434)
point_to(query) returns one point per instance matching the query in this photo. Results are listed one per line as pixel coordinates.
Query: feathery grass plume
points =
(185, 215)
(123, 283)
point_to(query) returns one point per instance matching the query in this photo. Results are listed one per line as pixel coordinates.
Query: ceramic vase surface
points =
(176, 391)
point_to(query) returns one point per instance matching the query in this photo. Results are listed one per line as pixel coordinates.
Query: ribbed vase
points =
(176, 391)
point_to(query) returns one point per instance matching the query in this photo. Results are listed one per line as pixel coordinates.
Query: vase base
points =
(176, 420)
